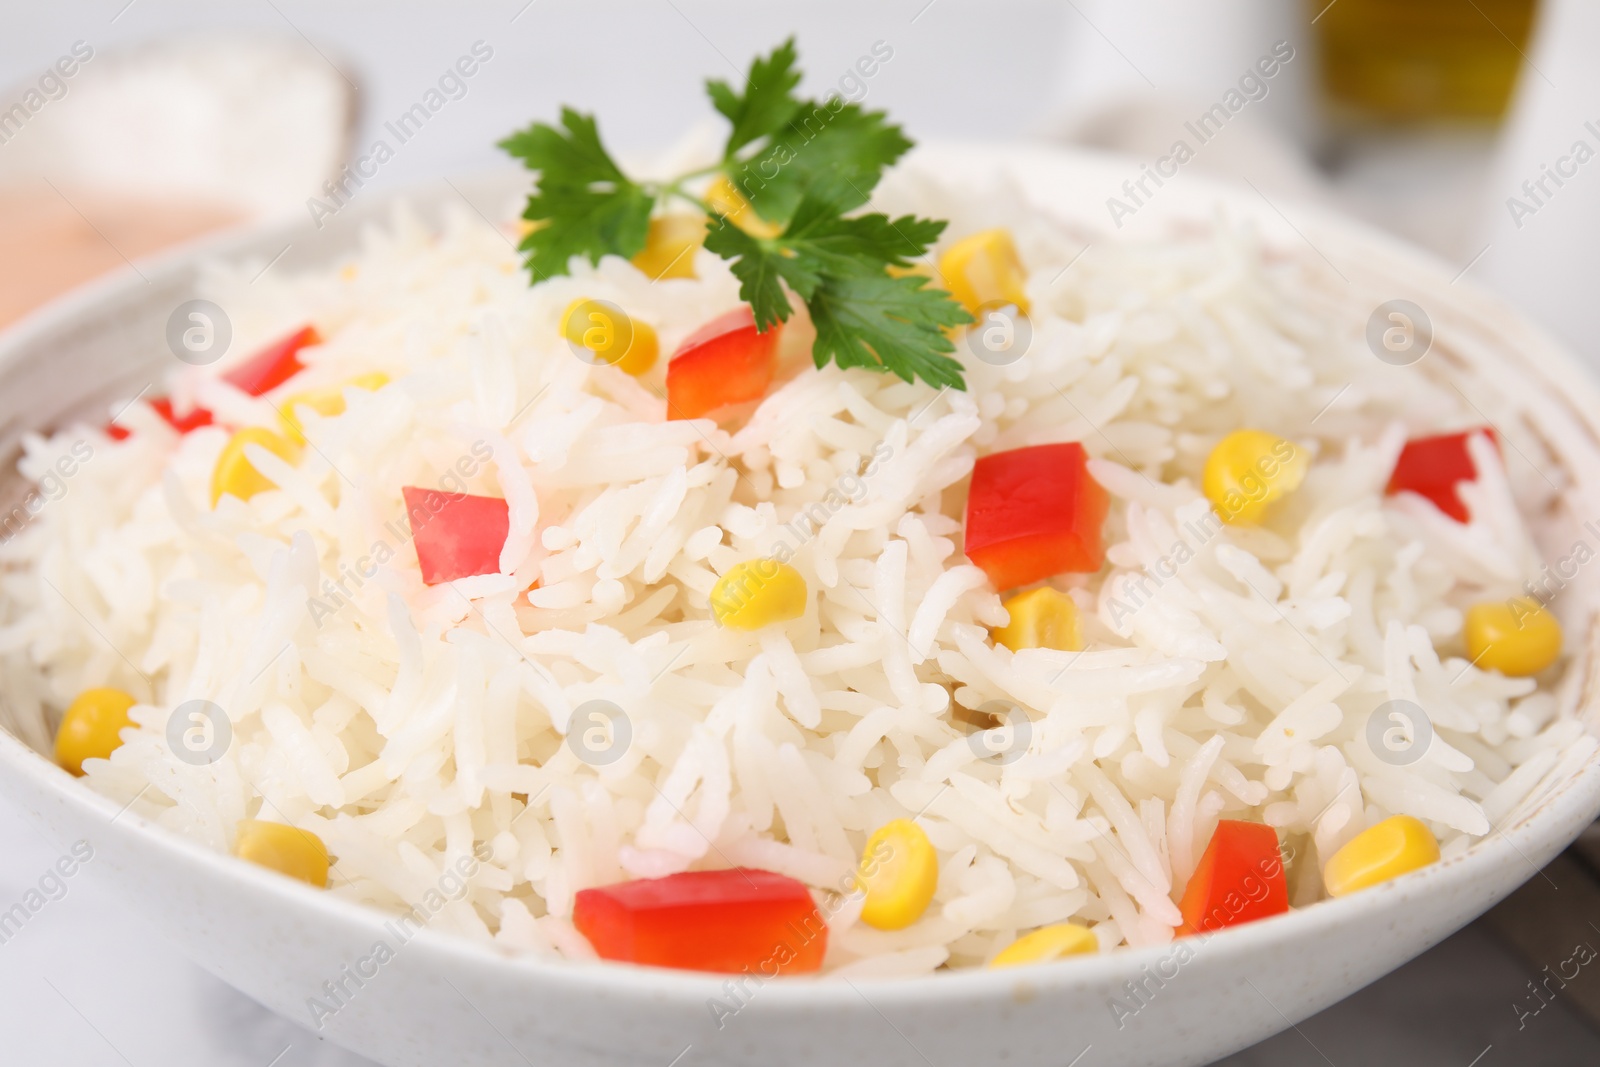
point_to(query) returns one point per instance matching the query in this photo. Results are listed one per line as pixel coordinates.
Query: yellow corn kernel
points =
(899, 872)
(285, 849)
(919, 269)
(669, 248)
(758, 592)
(1391, 848)
(1047, 943)
(1248, 470)
(92, 726)
(1041, 618)
(983, 269)
(1517, 637)
(641, 355)
(327, 402)
(727, 200)
(235, 475)
(627, 344)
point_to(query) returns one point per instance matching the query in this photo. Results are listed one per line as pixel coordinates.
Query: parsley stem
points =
(836, 262)
(715, 168)
(675, 189)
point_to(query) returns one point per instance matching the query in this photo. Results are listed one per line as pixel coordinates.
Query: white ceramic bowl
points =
(443, 1000)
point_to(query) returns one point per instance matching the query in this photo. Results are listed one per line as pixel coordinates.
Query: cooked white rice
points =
(404, 724)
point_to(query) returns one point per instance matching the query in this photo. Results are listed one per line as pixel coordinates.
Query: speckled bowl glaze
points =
(441, 1000)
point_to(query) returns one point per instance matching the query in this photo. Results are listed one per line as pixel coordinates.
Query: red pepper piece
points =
(1240, 879)
(457, 535)
(274, 364)
(1034, 512)
(723, 362)
(163, 406)
(264, 371)
(196, 418)
(1433, 467)
(724, 921)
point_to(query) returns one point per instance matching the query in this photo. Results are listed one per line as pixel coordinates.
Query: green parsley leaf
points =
(838, 151)
(868, 319)
(585, 204)
(768, 102)
(804, 166)
(839, 267)
(761, 268)
(818, 229)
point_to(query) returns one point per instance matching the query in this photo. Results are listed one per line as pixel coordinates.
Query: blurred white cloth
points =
(251, 123)
(1546, 258)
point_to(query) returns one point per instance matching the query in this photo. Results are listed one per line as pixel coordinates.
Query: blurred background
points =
(1466, 126)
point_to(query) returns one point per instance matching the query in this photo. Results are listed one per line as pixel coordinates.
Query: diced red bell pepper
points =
(1240, 879)
(274, 364)
(196, 418)
(457, 535)
(724, 362)
(262, 372)
(1034, 512)
(163, 406)
(724, 921)
(1434, 467)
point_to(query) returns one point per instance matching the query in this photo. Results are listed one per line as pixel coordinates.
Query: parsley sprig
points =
(804, 166)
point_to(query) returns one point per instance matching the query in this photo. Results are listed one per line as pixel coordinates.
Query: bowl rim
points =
(1577, 799)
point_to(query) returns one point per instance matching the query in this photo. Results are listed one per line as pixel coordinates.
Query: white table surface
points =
(88, 983)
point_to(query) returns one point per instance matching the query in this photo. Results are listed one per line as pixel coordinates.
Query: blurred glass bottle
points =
(1389, 61)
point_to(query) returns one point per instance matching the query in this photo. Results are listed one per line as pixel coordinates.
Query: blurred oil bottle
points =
(1407, 61)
